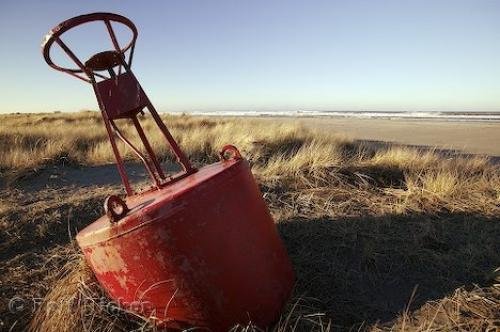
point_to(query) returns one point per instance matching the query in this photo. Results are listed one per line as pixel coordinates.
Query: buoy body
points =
(203, 251)
(200, 248)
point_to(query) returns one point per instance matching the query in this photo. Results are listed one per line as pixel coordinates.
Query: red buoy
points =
(200, 247)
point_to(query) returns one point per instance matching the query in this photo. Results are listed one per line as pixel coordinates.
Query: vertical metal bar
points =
(112, 35)
(181, 157)
(179, 154)
(138, 153)
(114, 41)
(131, 56)
(148, 147)
(111, 73)
(119, 160)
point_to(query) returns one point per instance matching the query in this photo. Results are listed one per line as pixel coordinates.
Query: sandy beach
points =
(469, 137)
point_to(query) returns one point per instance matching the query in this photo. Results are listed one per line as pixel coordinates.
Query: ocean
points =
(391, 115)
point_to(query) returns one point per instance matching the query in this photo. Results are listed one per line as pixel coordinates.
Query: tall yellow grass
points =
(288, 152)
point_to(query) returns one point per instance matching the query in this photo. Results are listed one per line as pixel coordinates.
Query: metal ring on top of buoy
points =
(115, 208)
(229, 152)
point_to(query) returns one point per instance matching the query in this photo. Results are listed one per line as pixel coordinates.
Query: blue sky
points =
(271, 55)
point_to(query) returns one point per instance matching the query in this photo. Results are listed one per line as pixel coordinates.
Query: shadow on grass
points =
(366, 269)
(65, 176)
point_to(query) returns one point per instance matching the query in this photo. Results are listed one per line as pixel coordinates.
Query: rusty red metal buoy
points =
(198, 249)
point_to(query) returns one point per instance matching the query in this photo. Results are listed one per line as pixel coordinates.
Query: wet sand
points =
(468, 137)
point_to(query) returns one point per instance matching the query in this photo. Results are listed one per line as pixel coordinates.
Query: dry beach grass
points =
(381, 237)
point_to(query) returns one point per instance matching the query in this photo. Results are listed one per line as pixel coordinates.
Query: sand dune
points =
(469, 137)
